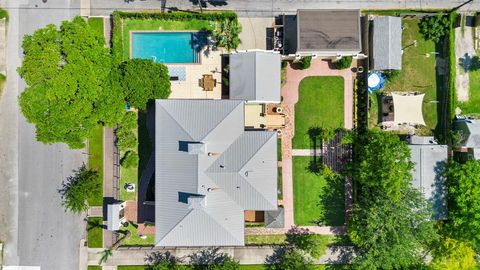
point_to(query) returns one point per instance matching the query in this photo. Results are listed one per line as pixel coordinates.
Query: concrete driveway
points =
(33, 224)
(254, 32)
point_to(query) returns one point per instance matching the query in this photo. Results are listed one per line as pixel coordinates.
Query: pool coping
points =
(200, 58)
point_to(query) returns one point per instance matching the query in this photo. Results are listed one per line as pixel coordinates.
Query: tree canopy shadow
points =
(469, 63)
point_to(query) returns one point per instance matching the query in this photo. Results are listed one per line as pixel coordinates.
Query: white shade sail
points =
(408, 109)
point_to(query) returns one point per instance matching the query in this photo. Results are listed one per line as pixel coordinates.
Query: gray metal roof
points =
(387, 43)
(201, 192)
(471, 132)
(429, 161)
(113, 216)
(255, 76)
(275, 218)
(327, 30)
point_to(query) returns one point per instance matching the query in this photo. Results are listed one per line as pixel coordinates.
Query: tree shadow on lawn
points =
(332, 202)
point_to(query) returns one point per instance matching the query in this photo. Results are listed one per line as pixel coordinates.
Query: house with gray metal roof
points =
(208, 171)
(430, 159)
(387, 43)
(255, 76)
(322, 32)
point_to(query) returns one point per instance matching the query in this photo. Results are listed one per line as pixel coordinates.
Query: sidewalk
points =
(245, 255)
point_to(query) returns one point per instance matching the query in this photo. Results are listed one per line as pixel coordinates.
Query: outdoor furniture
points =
(208, 82)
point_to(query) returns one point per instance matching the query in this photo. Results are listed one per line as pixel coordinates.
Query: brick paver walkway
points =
(290, 98)
(306, 152)
(325, 230)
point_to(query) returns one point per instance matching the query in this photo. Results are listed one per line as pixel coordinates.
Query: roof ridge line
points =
(219, 223)
(178, 124)
(223, 120)
(176, 224)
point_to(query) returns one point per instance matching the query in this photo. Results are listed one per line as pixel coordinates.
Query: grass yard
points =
(136, 24)
(473, 104)
(95, 160)
(316, 200)
(320, 104)
(96, 24)
(94, 267)
(274, 239)
(418, 74)
(95, 233)
(135, 239)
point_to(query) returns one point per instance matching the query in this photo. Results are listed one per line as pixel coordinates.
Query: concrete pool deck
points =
(190, 88)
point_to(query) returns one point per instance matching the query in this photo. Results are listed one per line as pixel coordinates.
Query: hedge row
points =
(117, 42)
(452, 95)
(179, 15)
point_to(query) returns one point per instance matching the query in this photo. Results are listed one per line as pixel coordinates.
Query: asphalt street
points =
(36, 229)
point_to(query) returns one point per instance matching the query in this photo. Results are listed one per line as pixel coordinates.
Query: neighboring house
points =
(208, 171)
(470, 133)
(430, 159)
(386, 43)
(324, 33)
(255, 76)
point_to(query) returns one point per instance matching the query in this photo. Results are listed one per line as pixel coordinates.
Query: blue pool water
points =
(167, 47)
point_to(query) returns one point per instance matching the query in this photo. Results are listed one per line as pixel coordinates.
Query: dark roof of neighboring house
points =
(275, 218)
(387, 43)
(328, 30)
(208, 171)
(255, 76)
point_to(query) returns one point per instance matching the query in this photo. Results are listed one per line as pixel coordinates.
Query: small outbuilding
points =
(255, 76)
(430, 160)
(386, 43)
(470, 134)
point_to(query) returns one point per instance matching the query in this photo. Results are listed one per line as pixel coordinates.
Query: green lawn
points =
(95, 233)
(95, 161)
(279, 184)
(135, 239)
(3, 78)
(418, 74)
(131, 267)
(94, 267)
(473, 104)
(96, 24)
(3, 14)
(275, 239)
(151, 24)
(320, 104)
(316, 200)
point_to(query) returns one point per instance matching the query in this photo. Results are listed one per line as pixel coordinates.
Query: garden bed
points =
(320, 104)
(317, 201)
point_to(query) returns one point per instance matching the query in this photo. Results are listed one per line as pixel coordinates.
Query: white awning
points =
(408, 109)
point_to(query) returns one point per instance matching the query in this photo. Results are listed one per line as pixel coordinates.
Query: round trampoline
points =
(376, 81)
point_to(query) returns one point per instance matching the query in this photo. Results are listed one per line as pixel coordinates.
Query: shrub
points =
(129, 121)
(226, 34)
(178, 15)
(434, 28)
(344, 63)
(126, 139)
(130, 159)
(306, 62)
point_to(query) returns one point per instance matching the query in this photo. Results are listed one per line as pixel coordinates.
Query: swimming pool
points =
(168, 47)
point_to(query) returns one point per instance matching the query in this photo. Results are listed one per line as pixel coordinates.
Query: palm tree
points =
(226, 34)
(106, 253)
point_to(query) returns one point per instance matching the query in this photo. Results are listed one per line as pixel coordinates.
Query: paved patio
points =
(210, 63)
(290, 98)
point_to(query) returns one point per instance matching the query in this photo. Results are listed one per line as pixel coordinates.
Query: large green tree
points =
(450, 254)
(391, 233)
(70, 88)
(143, 81)
(383, 163)
(391, 221)
(79, 189)
(463, 183)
